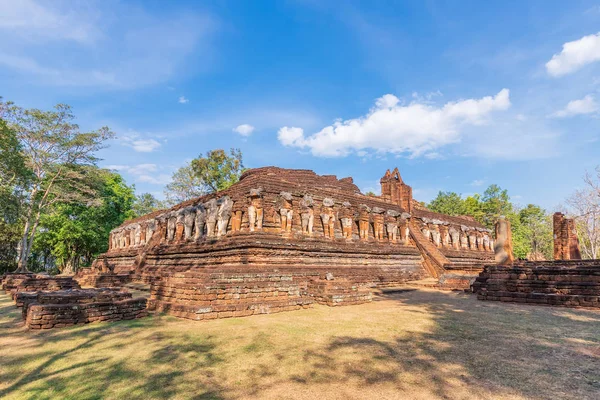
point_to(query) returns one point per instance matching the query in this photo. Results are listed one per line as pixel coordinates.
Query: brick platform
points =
(77, 296)
(46, 316)
(14, 283)
(562, 283)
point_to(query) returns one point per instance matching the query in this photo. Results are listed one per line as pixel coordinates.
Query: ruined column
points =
(566, 243)
(503, 247)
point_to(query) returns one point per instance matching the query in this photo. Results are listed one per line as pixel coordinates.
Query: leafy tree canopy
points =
(145, 204)
(75, 233)
(531, 226)
(213, 172)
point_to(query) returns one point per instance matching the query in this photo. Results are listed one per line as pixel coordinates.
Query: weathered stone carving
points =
(436, 237)
(391, 225)
(464, 239)
(454, 237)
(189, 215)
(212, 211)
(307, 214)
(255, 209)
(503, 248)
(171, 222)
(137, 234)
(199, 221)
(223, 215)
(445, 236)
(236, 217)
(150, 228)
(179, 225)
(346, 219)
(472, 234)
(425, 230)
(378, 223)
(328, 218)
(486, 241)
(364, 220)
(286, 211)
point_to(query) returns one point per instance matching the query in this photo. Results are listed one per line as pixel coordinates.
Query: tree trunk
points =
(24, 251)
(22, 263)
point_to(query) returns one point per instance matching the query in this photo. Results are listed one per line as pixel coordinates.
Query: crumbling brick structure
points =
(558, 283)
(54, 302)
(282, 239)
(566, 243)
(46, 316)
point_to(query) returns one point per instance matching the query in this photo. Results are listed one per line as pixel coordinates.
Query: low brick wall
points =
(199, 295)
(15, 283)
(76, 296)
(46, 316)
(541, 283)
(11, 281)
(103, 280)
(338, 292)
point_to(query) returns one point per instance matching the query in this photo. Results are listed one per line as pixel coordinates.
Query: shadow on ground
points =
(414, 344)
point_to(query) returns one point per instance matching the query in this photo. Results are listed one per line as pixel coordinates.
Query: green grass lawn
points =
(420, 344)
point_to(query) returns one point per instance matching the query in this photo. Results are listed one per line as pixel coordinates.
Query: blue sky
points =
(457, 95)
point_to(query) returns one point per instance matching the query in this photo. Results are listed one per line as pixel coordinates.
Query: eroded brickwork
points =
(292, 223)
(566, 243)
(559, 283)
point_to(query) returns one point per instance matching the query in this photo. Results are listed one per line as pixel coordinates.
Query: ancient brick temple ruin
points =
(282, 239)
(566, 281)
(566, 244)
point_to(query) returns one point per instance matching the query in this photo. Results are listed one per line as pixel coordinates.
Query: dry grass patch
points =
(415, 344)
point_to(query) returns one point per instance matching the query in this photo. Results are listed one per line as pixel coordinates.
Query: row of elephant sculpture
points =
(214, 217)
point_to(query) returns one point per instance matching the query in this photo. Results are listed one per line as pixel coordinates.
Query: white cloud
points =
(587, 105)
(390, 127)
(183, 100)
(244, 129)
(108, 45)
(138, 143)
(142, 173)
(575, 55)
(477, 182)
(161, 179)
(44, 21)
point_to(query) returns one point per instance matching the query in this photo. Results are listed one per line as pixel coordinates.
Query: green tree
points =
(13, 177)
(145, 204)
(55, 150)
(184, 185)
(531, 226)
(217, 170)
(537, 228)
(448, 203)
(75, 233)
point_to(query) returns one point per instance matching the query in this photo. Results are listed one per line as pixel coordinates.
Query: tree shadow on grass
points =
(83, 361)
(473, 349)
